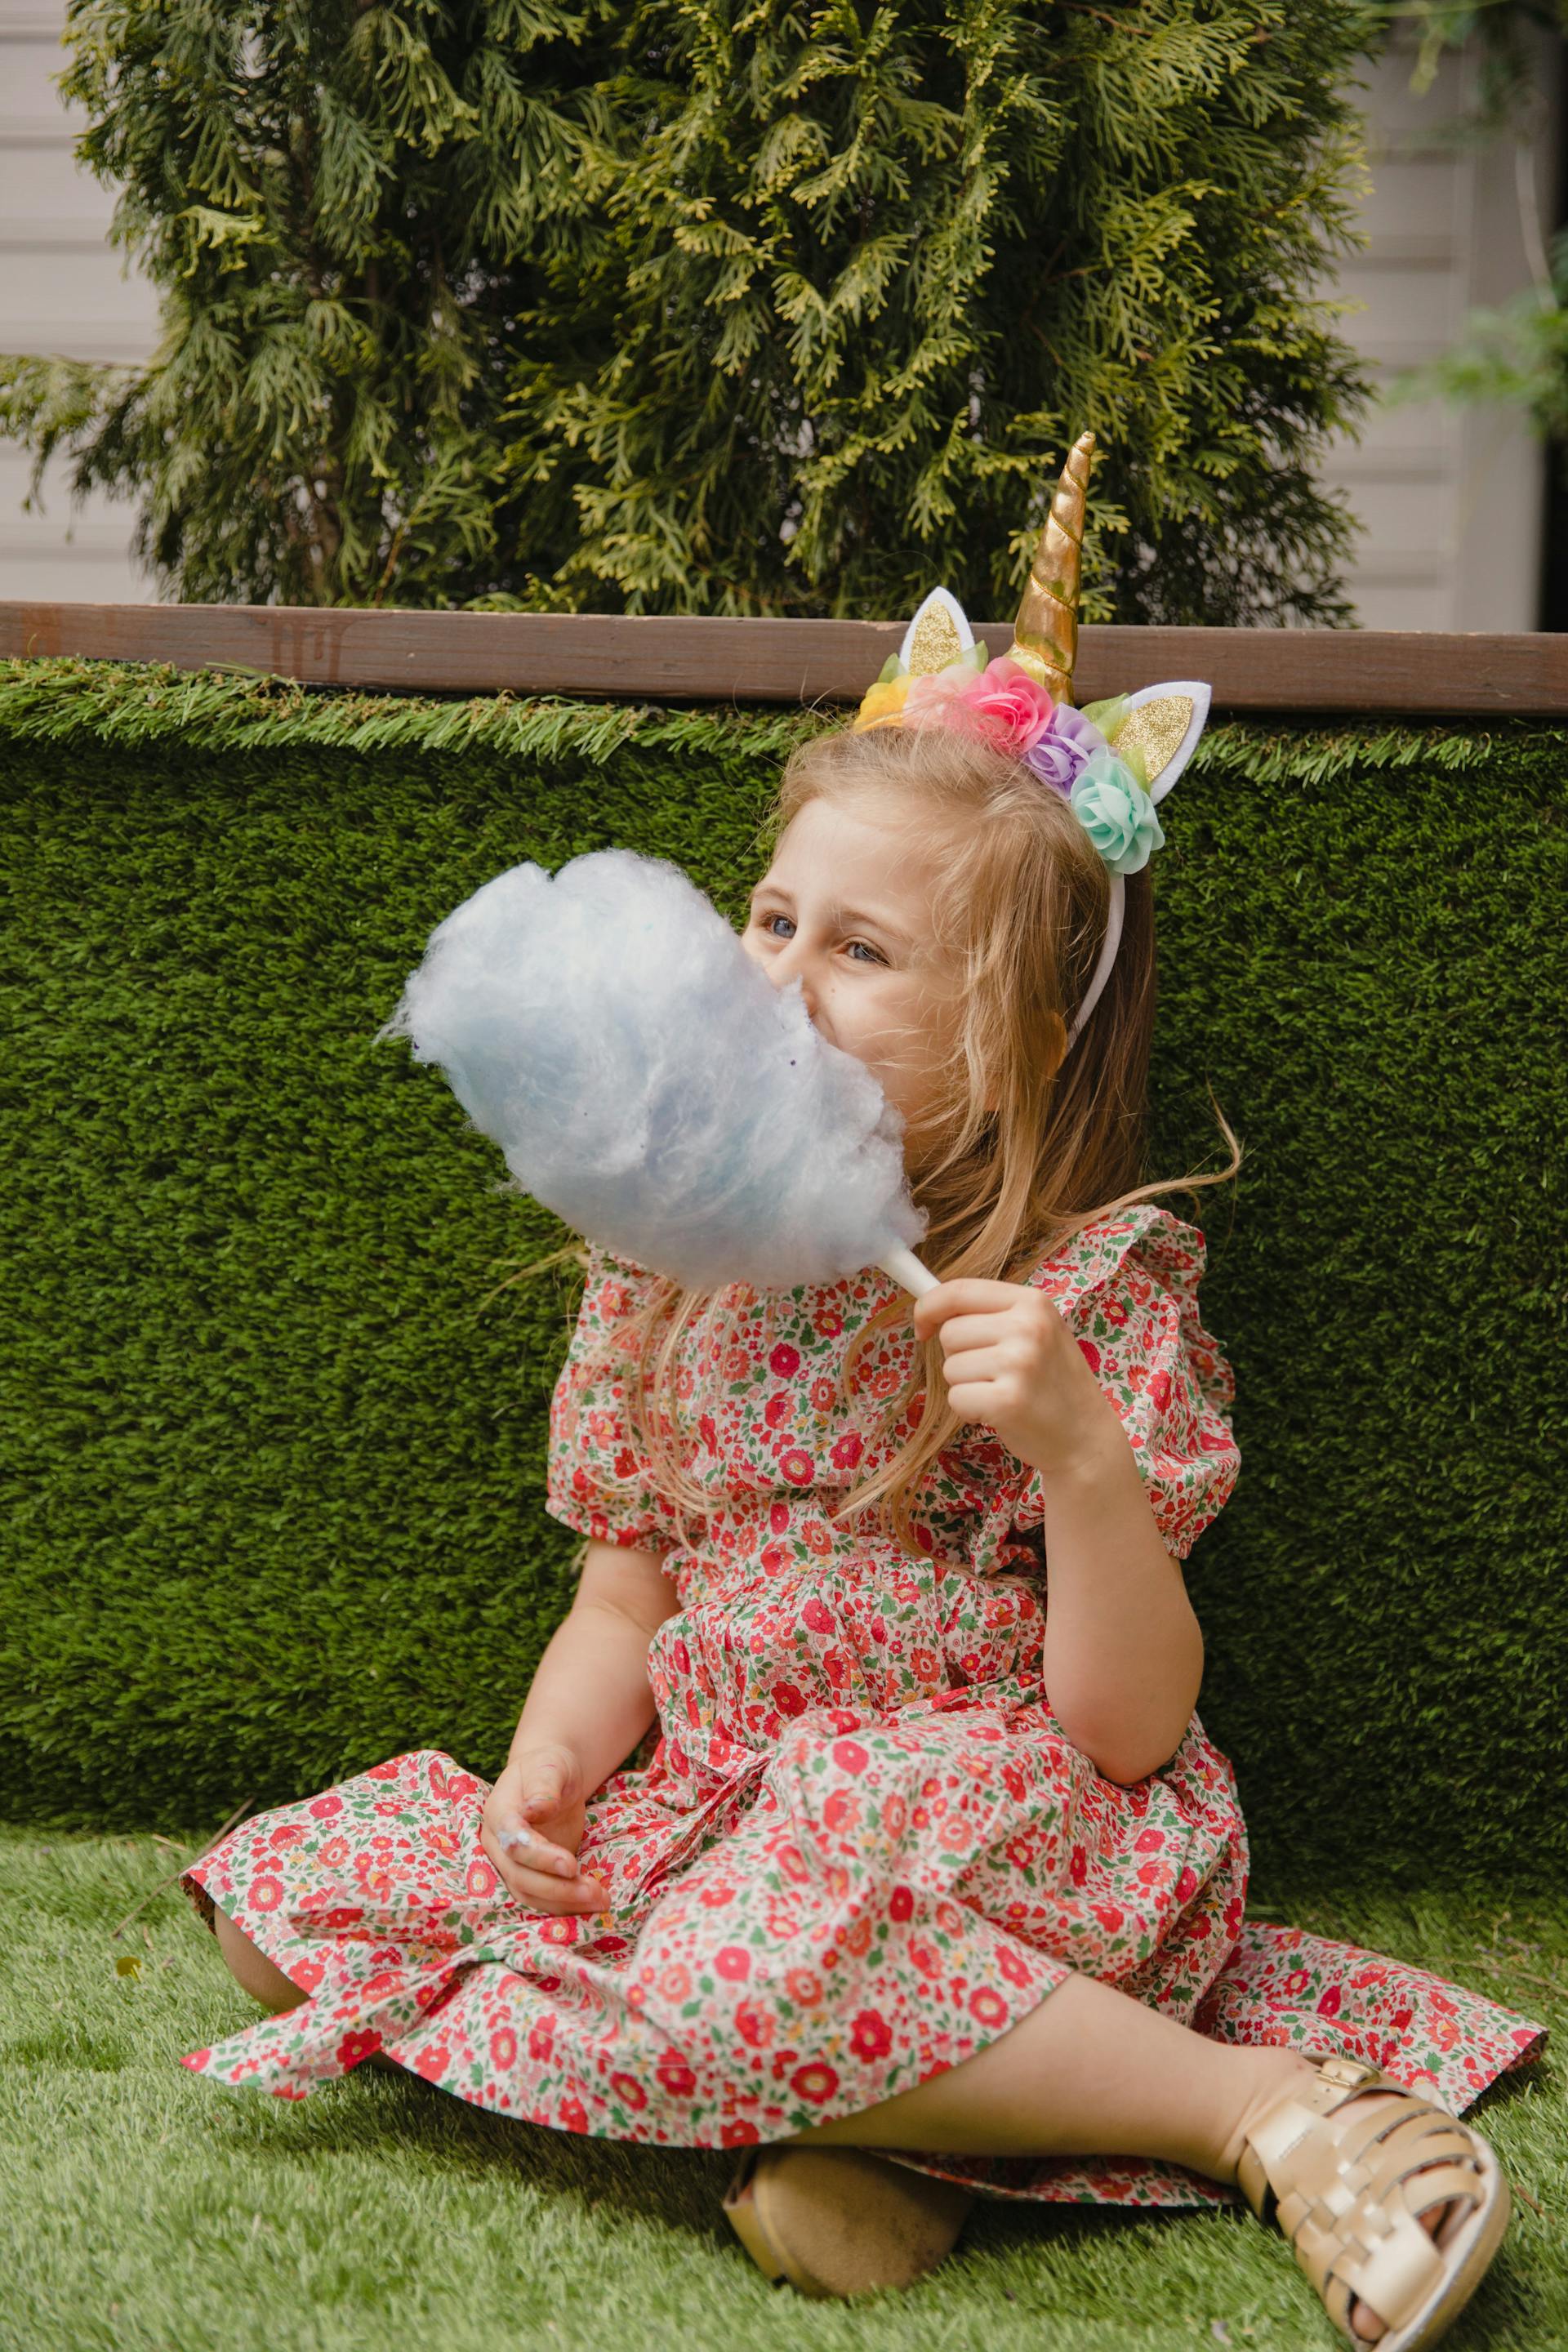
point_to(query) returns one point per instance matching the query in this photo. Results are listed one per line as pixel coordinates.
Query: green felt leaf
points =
(1108, 715)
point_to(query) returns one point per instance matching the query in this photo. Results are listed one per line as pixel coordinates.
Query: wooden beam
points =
(740, 661)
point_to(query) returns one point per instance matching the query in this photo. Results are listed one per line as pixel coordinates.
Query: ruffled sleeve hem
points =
(1127, 1289)
(599, 1481)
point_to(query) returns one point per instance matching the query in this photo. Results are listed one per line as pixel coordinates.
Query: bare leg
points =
(1090, 2071)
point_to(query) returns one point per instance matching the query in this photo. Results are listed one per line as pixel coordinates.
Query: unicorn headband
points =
(1112, 762)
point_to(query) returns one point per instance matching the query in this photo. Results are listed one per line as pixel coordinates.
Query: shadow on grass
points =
(677, 2186)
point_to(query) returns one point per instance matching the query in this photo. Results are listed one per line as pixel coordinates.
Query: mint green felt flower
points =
(1116, 813)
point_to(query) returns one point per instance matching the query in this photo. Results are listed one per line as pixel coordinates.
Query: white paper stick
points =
(905, 1267)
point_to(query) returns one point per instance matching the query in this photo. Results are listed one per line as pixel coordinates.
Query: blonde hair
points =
(1021, 916)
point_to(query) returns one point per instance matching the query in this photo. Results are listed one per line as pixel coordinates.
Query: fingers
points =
(528, 1847)
(976, 1364)
(974, 1402)
(541, 1790)
(538, 1890)
(537, 1794)
(1030, 1315)
(969, 1294)
(964, 1323)
(1018, 1357)
(539, 1874)
(971, 1400)
(970, 1290)
(991, 1334)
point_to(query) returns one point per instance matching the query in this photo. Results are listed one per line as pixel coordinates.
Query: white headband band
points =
(1164, 704)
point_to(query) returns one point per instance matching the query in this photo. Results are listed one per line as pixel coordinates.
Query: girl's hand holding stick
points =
(1011, 1362)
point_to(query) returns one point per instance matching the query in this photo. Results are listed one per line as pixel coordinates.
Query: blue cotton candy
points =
(646, 1082)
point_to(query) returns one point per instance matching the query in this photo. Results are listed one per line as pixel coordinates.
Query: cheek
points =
(879, 1034)
(892, 1025)
(908, 1030)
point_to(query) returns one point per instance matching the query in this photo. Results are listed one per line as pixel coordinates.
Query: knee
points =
(251, 1969)
(264, 1981)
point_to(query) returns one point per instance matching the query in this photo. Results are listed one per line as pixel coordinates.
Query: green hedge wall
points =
(273, 1452)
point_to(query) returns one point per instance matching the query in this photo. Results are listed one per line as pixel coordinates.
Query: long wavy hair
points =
(1028, 1143)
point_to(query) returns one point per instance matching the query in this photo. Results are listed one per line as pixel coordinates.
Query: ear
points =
(938, 635)
(1164, 722)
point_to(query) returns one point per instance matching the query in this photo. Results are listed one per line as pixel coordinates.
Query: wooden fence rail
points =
(740, 661)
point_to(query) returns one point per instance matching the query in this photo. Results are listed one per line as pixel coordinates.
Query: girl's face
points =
(847, 909)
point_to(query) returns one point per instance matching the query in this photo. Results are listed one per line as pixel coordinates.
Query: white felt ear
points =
(1164, 722)
(936, 635)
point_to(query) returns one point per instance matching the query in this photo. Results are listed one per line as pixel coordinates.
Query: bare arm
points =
(589, 1704)
(590, 1690)
(1123, 1655)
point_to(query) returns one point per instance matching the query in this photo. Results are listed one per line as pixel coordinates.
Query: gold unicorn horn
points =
(1045, 635)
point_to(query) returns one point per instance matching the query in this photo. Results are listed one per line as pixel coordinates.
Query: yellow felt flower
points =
(883, 704)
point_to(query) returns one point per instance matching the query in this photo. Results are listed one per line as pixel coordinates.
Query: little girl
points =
(922, 1848)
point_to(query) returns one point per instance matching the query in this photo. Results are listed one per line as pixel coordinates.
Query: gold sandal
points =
(838, 2220)
(1348, 2184)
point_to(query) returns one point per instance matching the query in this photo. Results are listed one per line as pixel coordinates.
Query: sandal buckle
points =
(1348, 2072)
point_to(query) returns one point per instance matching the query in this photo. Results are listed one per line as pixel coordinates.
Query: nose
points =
(789, 966)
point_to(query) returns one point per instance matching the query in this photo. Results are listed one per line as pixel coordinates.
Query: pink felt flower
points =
(1000, 704)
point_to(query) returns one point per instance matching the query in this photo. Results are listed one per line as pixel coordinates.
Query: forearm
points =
(590, 1690)
(1123, 1654)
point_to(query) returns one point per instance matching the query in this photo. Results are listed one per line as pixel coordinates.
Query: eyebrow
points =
(839, 914)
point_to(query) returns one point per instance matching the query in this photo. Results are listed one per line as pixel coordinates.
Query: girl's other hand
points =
(540, 1790)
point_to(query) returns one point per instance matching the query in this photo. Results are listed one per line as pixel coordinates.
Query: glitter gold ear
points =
(939, 634)
(1164, 722)
(1156, 731)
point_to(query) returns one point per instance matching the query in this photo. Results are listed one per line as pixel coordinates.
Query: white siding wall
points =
(1451, 502)
(62, 289)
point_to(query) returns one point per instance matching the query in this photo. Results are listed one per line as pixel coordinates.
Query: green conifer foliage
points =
(696, 306)
(872, 269)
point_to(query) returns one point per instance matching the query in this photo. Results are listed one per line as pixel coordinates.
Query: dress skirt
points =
(804, 1925)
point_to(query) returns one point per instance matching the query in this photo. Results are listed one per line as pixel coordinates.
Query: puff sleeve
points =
(1127, 1288)
(597, 1481)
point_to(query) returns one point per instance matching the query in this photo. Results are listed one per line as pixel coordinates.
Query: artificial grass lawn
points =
(146, 2208)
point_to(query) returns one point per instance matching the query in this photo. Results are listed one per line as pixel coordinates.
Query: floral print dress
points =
(857, 1845)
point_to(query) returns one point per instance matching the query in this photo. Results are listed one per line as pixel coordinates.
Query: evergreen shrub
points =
(667, 306)
(274, 1449)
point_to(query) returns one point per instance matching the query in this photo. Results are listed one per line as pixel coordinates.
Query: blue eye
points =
(778, 915)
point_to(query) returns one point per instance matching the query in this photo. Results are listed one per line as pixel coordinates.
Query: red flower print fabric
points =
(857, 1845)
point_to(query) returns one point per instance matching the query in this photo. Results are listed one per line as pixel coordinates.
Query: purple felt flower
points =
(1069, 741)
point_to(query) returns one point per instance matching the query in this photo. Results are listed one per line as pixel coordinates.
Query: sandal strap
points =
(1394, 2274)
(1272, 2137)
(1348, 2194)
(1356, 2231)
